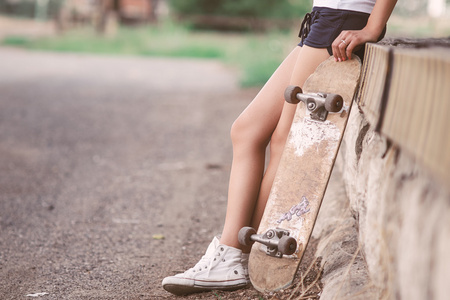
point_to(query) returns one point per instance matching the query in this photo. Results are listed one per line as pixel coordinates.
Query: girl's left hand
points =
(349, 41)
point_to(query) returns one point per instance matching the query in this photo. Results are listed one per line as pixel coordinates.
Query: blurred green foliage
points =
(276, 9)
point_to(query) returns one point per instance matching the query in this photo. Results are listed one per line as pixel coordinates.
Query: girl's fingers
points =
(334, 47)
(350, 48)
(344, 45)
(339, 47)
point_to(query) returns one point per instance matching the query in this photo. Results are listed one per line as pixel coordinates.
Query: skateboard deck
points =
(303, 174)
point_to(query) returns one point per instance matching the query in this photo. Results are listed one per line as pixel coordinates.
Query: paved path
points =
(100, 156)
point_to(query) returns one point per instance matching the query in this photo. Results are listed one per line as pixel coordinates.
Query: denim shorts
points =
(321, 27)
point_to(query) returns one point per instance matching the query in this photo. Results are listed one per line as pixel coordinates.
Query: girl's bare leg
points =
(267, 118)
(307, 62)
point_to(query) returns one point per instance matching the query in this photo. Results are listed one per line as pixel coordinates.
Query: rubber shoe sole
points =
(181, 290)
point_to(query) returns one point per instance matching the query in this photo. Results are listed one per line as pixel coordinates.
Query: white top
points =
(365, 6)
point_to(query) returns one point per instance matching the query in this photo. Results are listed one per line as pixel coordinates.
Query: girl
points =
(334, 27)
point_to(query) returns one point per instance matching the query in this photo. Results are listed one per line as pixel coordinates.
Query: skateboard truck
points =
(319, 104)
(277, 241)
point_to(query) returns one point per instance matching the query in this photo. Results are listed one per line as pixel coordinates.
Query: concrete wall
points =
(384, 225)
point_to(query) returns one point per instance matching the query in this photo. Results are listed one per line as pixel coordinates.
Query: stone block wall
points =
(384, 225)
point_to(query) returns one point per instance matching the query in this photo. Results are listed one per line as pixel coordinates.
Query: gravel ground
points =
(114, 173)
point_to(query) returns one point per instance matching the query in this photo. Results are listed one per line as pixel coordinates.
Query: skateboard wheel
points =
(287, 245)
(334, 103)
(244, 236)
(290, 94)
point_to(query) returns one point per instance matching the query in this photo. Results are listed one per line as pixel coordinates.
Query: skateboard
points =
(303, 173)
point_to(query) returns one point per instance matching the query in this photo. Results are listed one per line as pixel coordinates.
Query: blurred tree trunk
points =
(41, 10)
(107, 23)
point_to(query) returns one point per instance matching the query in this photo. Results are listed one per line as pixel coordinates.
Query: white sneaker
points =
(219, 269)
(244, 262)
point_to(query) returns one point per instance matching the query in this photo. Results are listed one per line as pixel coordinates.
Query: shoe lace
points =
(204, 262)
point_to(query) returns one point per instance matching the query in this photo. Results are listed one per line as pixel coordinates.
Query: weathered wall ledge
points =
(384, 226)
